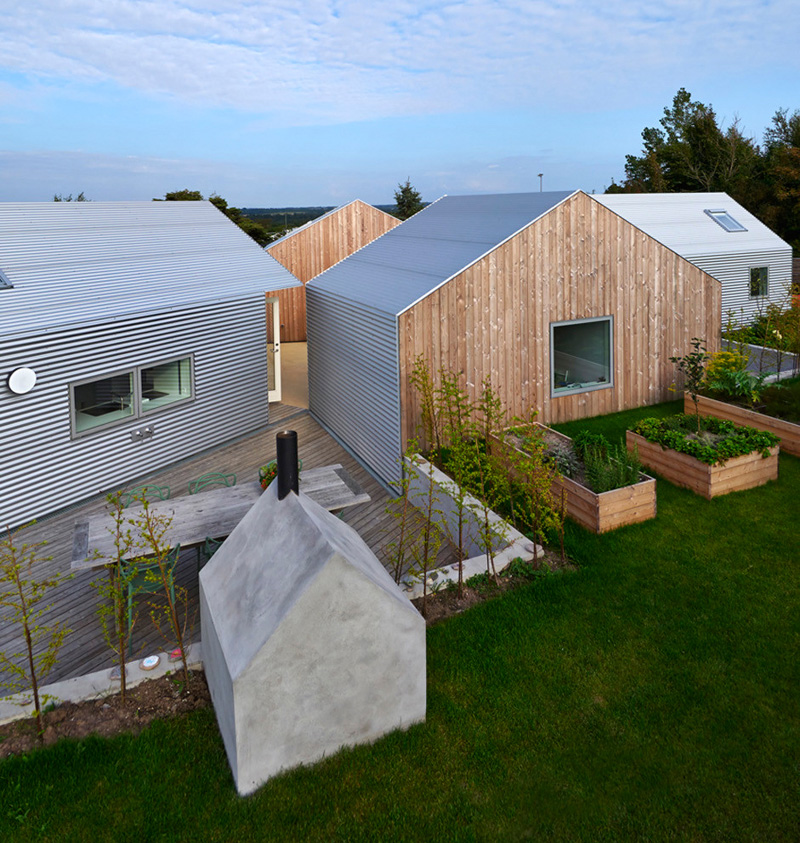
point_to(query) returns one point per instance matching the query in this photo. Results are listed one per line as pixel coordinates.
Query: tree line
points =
(691, 151)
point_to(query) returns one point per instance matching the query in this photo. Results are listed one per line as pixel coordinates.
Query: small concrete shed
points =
(308, 644)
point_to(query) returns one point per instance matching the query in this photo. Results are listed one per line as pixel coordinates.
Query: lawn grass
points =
(652, 694)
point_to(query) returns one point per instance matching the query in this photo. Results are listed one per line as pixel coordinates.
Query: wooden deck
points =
(75, 601)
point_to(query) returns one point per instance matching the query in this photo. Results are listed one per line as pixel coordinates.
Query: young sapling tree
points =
(693, 368)
(23, 593)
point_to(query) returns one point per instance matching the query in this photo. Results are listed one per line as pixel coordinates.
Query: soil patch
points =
(446, 602)
(154, 699)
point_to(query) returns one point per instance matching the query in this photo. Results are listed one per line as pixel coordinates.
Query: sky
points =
(319, 102)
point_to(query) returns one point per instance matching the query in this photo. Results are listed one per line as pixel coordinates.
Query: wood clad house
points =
(132, 335)
(753, 264)
(565, 306)
(314, 247)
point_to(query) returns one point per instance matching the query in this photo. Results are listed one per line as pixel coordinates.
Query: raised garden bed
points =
(712, 475)
(788, 432)
(602, 511)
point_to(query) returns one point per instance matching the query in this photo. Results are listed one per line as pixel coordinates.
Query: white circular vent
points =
(22, 380)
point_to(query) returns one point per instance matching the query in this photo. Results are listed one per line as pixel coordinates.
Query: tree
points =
(692, 152)
(79, 198)
(250, 227)
(782, 164)
(407, 201)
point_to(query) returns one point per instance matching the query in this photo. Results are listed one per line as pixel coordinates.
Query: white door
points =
(273, 350)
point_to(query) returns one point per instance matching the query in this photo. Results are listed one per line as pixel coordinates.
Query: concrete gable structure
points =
(308, 643)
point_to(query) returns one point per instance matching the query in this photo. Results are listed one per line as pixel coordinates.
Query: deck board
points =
(75, 601)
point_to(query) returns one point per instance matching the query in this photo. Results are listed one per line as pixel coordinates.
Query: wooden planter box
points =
(733, 475)
(607, 510)
(788, 432)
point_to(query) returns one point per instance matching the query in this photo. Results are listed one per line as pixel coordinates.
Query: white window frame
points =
(753, 295)
(559, 393)
(138, 412)
(725, 220)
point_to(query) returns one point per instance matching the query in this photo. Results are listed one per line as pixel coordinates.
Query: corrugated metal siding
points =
(679, 221)
(42, 469)
(733, 271)
(353, 378)
(85, 262)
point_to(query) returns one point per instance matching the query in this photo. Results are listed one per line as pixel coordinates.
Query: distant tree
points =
(691, 152)
(184, 195)
(782, 164)
(79, 198)
(250, 227)
(407, 201)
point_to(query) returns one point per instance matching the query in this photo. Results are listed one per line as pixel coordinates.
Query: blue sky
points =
(319, 102)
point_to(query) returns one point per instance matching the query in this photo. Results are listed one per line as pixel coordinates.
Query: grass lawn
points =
(652, 694)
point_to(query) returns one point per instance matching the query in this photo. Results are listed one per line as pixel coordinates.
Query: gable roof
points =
(85, 262)
(311, 223)
(680, 222)
(407, 263)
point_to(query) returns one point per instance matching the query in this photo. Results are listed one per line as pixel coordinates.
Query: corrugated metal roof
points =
(84, 262)
(679, 221)
(413, 259)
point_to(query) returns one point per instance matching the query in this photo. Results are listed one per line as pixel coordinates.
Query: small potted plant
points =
(267, 473)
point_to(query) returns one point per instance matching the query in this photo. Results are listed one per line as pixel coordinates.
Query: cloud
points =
(331, 61)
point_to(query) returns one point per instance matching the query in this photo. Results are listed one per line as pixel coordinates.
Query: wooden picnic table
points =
(212, 513)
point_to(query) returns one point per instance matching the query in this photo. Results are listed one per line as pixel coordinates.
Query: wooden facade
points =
(580, 260)
(316, 247)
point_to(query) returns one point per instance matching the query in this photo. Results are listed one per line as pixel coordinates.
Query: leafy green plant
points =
(610, 467)
(22, 593)
(723, 439)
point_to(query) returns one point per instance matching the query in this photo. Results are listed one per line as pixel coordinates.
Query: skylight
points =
(723, 218)
(5, 284)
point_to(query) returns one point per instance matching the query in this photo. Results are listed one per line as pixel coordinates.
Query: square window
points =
(103, 401)
(166, 384)
(580, 355)
(759, 281)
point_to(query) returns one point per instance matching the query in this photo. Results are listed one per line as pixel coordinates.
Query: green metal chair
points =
(141, 583)
(149, 492)
(213, 478)
(207, 549)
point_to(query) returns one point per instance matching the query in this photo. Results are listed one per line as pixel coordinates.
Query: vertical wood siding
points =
(318, 247)
(43, 469)
(578, 261)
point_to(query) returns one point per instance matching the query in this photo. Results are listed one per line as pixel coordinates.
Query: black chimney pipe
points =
(288, 475)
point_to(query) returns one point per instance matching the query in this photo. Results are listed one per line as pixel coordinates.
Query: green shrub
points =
(718, 440)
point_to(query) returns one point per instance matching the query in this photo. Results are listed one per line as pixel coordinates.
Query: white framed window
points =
(723, 218)
(129, 394)
(581, 355)
(759, 281)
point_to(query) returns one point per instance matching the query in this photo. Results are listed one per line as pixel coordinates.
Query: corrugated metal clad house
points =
(319, 244)
(139, 328)
(565, 306)
(717, 234)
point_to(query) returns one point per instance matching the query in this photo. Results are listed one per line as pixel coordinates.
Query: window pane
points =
(724, 219)
(166, 384)
(103, 401)
(581, 355)
(759, 281)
